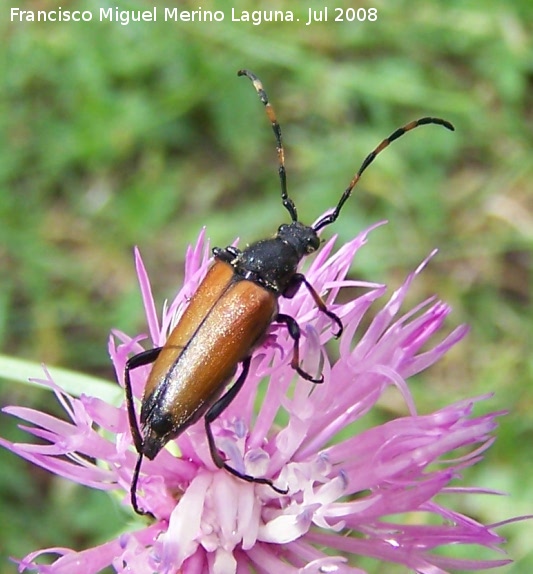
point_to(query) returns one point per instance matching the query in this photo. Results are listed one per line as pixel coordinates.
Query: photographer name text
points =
(254, 17)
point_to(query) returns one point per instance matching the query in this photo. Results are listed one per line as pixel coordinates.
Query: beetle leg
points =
(227, 254)
(139, 360)
(214, 412)
(296, 280)
(133, 489)
(294, 332)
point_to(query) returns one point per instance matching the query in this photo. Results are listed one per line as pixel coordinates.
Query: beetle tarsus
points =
(133, 489)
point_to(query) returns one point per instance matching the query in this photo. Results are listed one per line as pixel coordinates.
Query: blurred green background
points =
(114, 136)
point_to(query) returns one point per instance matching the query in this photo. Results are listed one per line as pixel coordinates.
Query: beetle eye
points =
(313, 244)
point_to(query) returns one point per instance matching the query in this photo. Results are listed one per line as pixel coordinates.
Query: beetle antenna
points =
(288, 203)
(331, 217)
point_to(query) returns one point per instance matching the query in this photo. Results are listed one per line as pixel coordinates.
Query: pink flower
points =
(338, 483)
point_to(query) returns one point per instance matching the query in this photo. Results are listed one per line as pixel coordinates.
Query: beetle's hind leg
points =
(214, 412)
(139, 360)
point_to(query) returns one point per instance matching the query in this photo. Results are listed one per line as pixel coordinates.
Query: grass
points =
(114, 136)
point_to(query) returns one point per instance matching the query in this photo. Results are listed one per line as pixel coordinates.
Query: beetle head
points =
(302, 238)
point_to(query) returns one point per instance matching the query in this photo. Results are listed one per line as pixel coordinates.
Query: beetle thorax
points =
(273, 262)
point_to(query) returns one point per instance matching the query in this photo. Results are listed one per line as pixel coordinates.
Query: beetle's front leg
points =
(296, 280)
(227, 254)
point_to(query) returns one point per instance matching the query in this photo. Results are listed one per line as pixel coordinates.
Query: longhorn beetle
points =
(227, 318)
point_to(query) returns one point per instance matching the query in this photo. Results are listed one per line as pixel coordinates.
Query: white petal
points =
(285, 528)
(225, 563)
